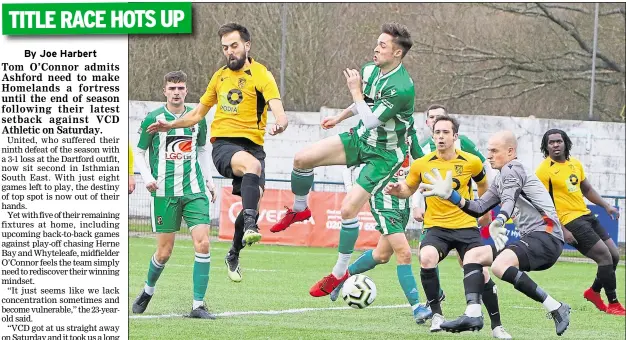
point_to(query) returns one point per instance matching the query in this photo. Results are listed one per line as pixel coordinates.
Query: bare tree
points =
(498, 68)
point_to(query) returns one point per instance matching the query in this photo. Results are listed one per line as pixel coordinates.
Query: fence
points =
(139, 208)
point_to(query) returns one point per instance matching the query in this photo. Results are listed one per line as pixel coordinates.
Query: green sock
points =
(364, 263)
(408, 284)
(438, 279)
(154, 271)
(301, 181)
(348, 235)
(201, 268)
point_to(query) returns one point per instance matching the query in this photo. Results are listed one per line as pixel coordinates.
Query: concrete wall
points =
(600, 146)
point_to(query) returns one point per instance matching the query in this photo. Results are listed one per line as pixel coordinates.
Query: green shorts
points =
(167, 212)
(390, 221)
(380, 164)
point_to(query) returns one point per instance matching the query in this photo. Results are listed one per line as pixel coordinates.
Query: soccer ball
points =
(359, 291)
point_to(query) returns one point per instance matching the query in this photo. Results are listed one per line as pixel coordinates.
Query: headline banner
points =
(96, 18)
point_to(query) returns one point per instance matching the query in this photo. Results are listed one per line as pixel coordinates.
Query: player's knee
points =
(254, 167)
(499, 267)
(429, 257)
(381, 258)
(403, 256)
(348, 211)
(202, 245)
(163, 255)
(300, 160)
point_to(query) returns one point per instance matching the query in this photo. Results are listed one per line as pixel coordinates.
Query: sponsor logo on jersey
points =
(178, 148)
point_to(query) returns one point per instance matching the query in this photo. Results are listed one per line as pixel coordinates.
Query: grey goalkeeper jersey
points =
(522, 197)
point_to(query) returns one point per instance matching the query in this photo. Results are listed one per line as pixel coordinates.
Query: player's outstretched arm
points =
(400, 190)
(190, 119)
(280, 117)
(592, 195)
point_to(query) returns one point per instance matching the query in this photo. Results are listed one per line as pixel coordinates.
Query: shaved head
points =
(501, 148)
(506, 138)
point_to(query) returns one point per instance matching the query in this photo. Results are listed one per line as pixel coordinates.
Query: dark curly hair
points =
(544, 142)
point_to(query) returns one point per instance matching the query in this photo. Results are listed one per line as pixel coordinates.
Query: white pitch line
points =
(267, 312)
(223, 268)
(289, 311)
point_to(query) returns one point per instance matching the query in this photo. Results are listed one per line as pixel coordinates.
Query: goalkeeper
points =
(524, 199)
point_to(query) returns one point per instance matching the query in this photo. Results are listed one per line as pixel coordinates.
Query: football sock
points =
(201, 268)
(364, 263)
(301, 183)
(524, 284)
(430, 283)
(597, 285)
(154, 271)
(347, 239)
(408, 284)
(250, 191)
(474, 283)
(606, 274)
(439, 279)
(490, 300)
(551, 304)
(238, 236)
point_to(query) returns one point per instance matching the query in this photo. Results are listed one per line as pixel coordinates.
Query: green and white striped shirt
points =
(391, 97)
(173, 155)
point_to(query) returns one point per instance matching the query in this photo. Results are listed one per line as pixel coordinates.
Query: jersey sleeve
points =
(209, 98)
(582, 170)
(414, 177)
(145, 138)
(468, 146)
(416, 149)
(269, 87)
(202, 132)
(478, 170)
(390, 103)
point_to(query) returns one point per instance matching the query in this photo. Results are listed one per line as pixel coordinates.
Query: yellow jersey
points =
(563, 183)
(241, 97)
(439, 212)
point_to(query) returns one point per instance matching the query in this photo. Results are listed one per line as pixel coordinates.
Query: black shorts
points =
(223, 150)
(587, 231)
(535, 251)
(445, 240)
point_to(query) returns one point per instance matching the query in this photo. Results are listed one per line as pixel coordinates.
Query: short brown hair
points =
(455, 123)
(175, 77)
(400, 34)
(232, 27)
(435, 107)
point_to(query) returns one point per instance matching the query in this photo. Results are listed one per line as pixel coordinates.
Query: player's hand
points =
(211, 189)
(498, 232)
(439, 186)
(613, 212)
(329, 122)
(353, 79)
(569, 237)
(159, 126)
(418, 214)
(393, 189)
(131, 184)
(276, 129)
(152, 186)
